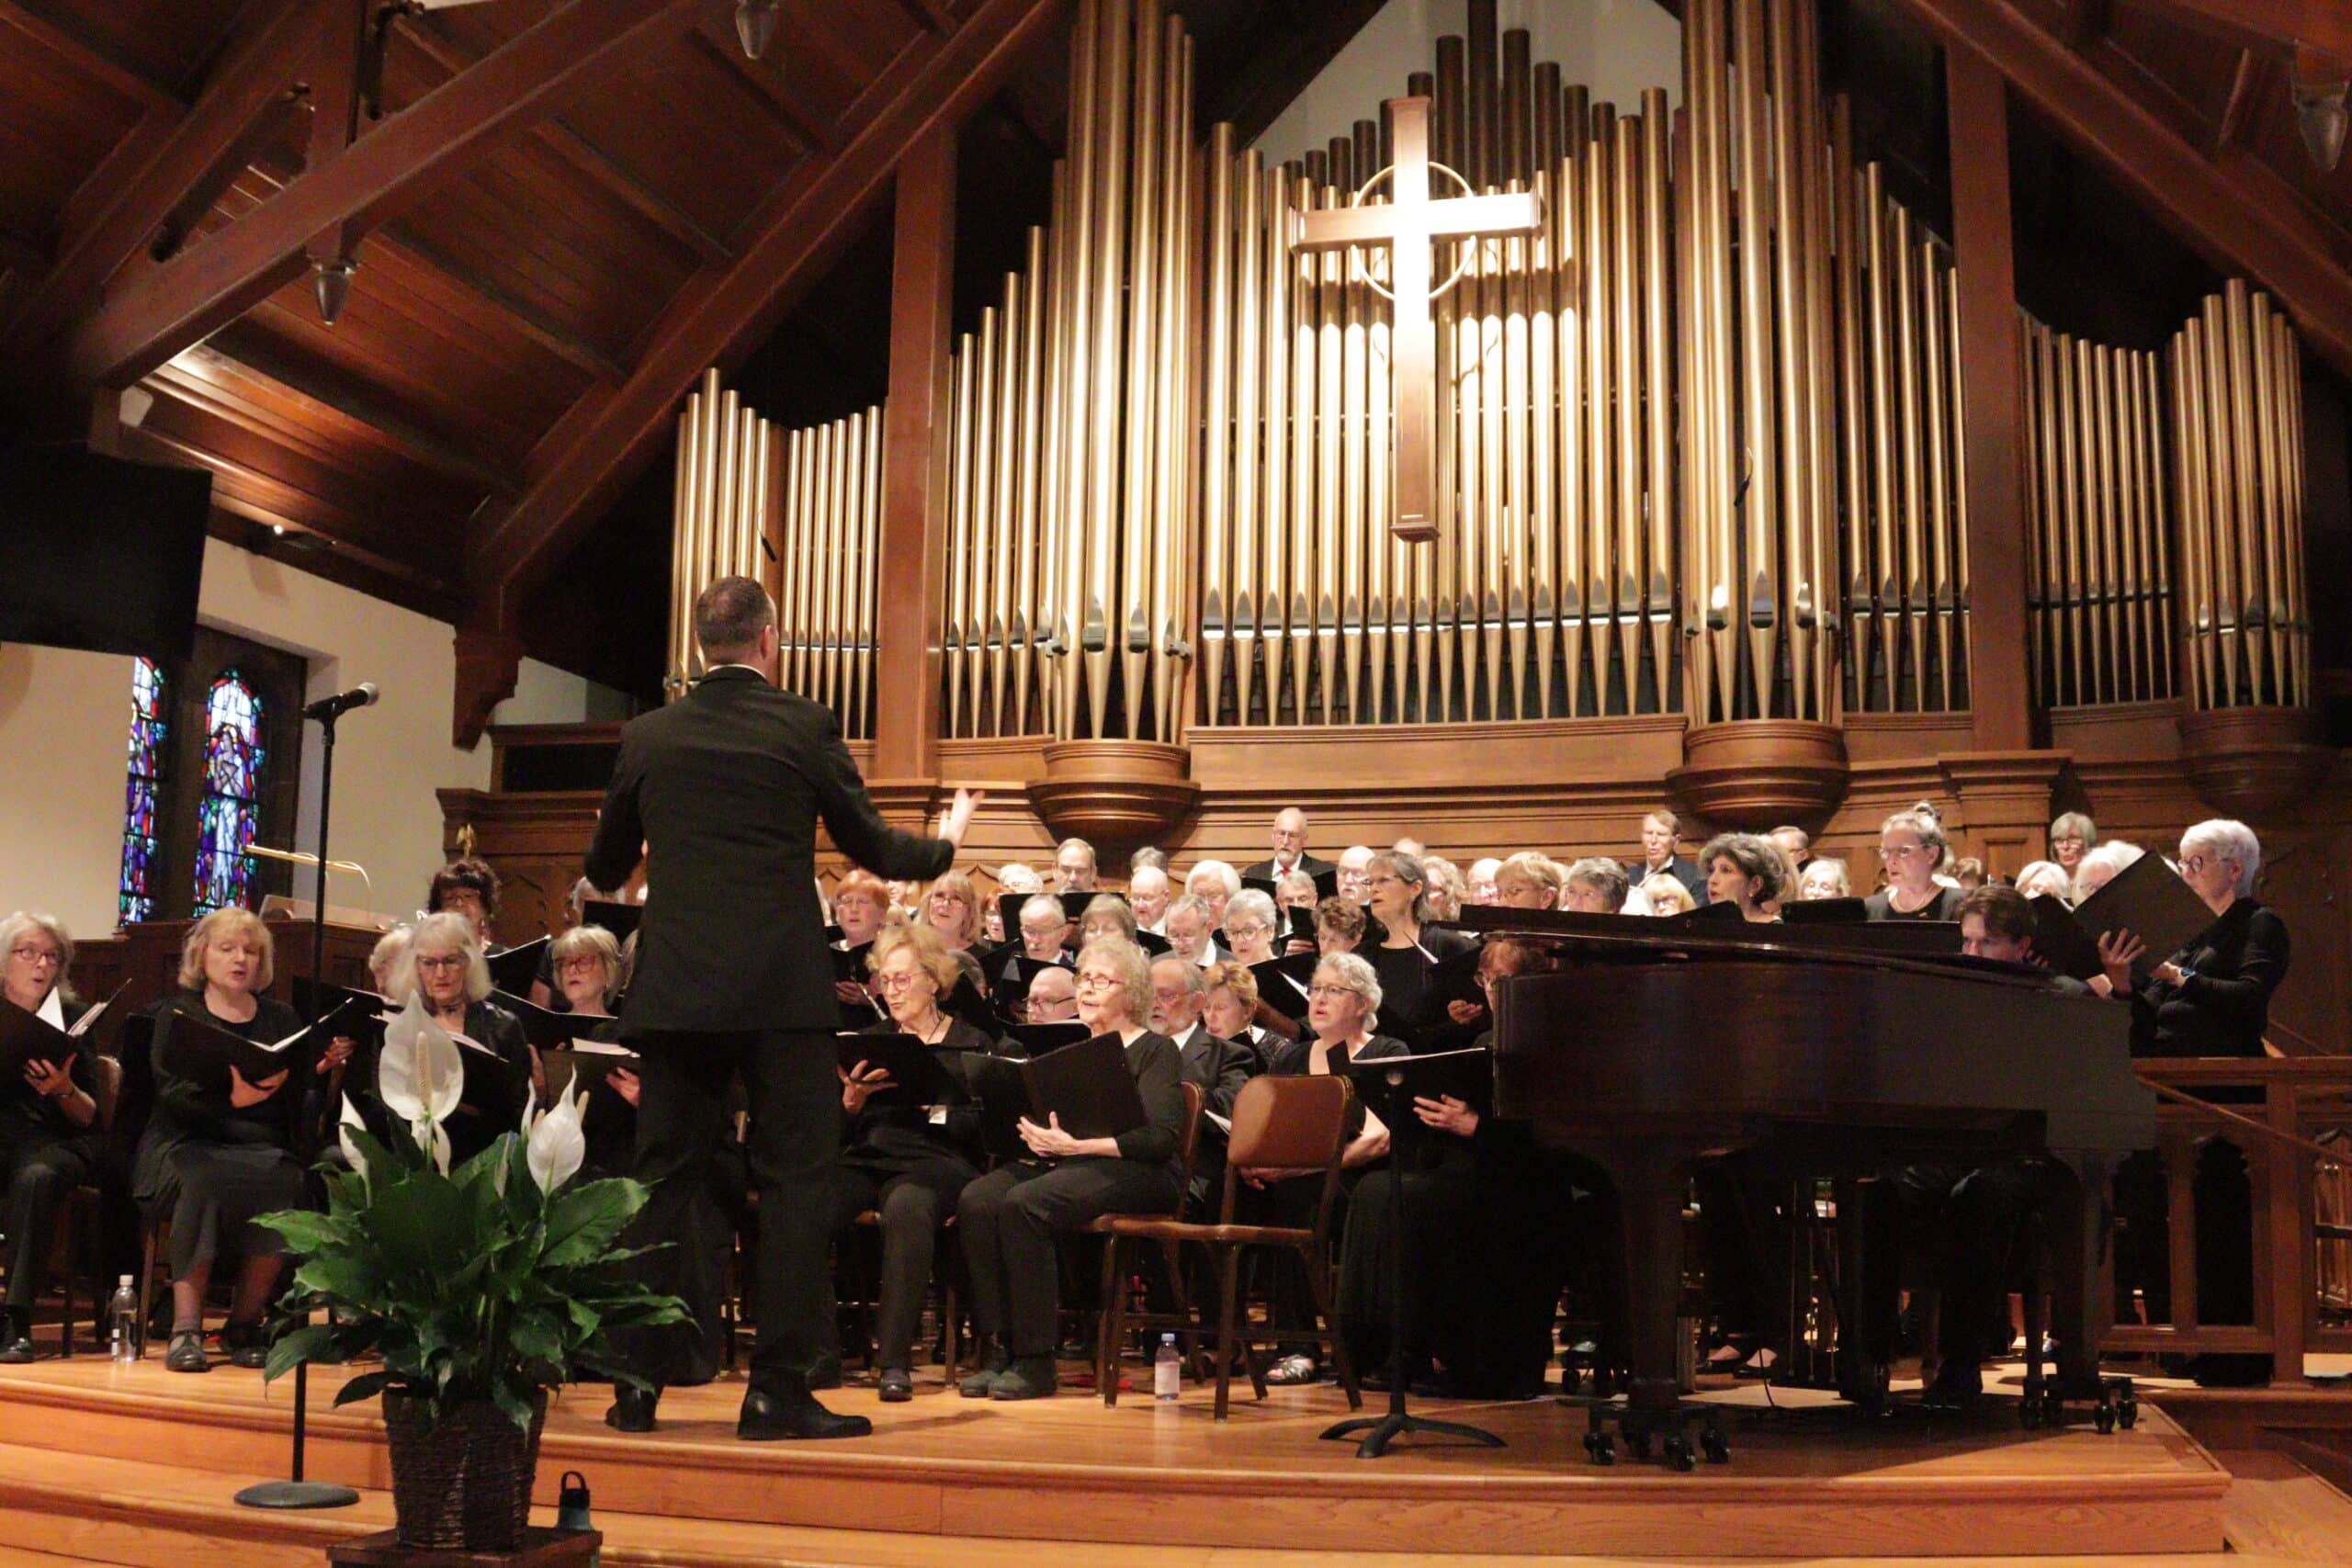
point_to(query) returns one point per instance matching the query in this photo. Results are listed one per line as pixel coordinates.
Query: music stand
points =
(295, 1491)
(1379, 1430)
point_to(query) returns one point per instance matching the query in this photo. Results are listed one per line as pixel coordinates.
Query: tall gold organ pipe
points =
(1658, 384)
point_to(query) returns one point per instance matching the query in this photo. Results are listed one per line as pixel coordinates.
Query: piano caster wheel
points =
(1637, 1443)
(1604, 1382)
(2127, 1413)
(1715, 1446)
(1677, 1454)
(2104, 1417)
(2029, 1412)
(1601, 1447)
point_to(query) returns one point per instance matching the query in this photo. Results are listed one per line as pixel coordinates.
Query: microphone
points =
(331, 708)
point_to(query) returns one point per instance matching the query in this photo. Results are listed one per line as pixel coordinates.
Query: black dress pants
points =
(1008, 1219)
(683, 1137)
(914, 1200)
(37, 1169)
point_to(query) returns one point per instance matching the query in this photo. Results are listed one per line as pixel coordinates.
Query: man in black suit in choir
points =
(1662, 852)
(1290, 850)
(722, 791)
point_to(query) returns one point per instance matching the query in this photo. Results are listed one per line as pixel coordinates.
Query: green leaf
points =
(315, 1344)
(518, 1409)
(424, 1225)
(304, 1231)
(368, 1385)
(584, 1221)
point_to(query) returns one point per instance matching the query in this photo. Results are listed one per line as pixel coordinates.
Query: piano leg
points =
(1651, 1185)
(2078, 1220)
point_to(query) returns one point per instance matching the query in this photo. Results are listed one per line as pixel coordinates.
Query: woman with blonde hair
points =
(1667, 895)
(445, 965)
(952, 907)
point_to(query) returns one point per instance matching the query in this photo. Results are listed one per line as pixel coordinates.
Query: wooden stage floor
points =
(88, 1450)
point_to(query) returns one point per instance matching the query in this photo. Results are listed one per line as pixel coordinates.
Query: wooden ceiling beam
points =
(401, 160)
(124, 80)
(558, 339)
(601, 445)
(2278, 244)
(561, 137)
(931, 13)
(813, 137)
(2243, 85)
(2322, 24)
(120, 219)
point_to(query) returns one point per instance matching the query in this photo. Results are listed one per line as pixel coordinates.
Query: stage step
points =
(2277, 1508)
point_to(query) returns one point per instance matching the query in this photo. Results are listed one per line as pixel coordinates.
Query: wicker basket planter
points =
(463, 1483)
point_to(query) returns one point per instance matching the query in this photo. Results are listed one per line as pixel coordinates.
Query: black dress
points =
(1409, 1010)
(908, 1165)
(491, 1107)
(210, 1167)
(44, 1157)
(1944, 906)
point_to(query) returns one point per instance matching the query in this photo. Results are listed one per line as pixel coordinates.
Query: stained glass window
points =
(148, 724)
(232, 764)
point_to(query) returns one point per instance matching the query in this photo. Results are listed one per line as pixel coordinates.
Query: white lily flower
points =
(349, 1120)
(422, 1077)
(556, 1143)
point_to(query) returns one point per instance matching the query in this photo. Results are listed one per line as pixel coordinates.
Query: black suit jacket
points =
(1682, 868)
(1265, 869)
(725, 787)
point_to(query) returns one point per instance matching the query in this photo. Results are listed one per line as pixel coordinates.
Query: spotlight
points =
(755, 26)
(332, 281)
(2320, 110)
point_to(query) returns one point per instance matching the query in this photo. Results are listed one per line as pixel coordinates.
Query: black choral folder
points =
(26, 1037)
(1282, 981)
(919, 1074)
(1468, 1076)
(512, 969)
(618, 919)
(202, 1052)
(1086, 1086)
(583, 1063)
(2149, 900)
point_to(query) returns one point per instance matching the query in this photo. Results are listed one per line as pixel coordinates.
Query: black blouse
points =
(21, 1108)
(2221, 1008)
(888, 1129)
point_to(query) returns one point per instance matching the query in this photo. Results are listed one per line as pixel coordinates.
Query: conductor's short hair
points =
(730, 613)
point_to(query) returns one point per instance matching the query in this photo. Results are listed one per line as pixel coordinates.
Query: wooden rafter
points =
(119, 219)
(396, 164)
(603, 442)
(2322, 24)
(2223, 208)
(133, 84)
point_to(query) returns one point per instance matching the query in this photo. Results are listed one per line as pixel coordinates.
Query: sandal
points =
(1292, 1370)
(186, 1354)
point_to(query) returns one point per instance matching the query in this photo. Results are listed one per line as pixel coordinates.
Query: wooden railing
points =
(2298, 1162)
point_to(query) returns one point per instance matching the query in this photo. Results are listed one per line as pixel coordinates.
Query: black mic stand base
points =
(297, 1495)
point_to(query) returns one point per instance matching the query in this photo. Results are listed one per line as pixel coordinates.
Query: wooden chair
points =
(1113, 1319)
(1279, 1124)
(944, 1263)
(82, 1219)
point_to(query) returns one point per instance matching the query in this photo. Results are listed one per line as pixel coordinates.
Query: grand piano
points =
(1656, 1045)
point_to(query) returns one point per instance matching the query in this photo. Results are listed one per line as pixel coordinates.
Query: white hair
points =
(2112, 856)
(432, 931)
(1356, 975)
(1249, 901)
(2044, 870)
(24, 921)
(1226, 877)
(2229, 839)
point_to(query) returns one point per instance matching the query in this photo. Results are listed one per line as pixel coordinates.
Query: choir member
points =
(906, 899)
(1053, 996)
(469, 888)
(1148, 858)
(1106, 914)
(2072, 836)
(1191, 926)
(908, 1163)
(1531, 880)
(1251, 925)
(49, 1143)
(1447, 887)
(1410, 846)
(2046, 878)
(1007, 1218)
(1214, 882)
(1350, 872)
(1825, 877)
(588, 968)
(1343, 1005)
(1667, 895)
(1230, 1006)
(1482, 880)
(1339, 925)
(1968, 873)
(1219, 1064)
(861, 904)
(1296, 890)
(952, 907)
(545, 992)
(1595, 885)
(1147, 895)
(1074, 866)
(991, 924)
(1661, 841)
(2209, 998)
(1015, 877)
(211, 1161)
(1408, 951)
(445, 965)
(1045, 928)
(1911, 845)
(1289, 837)
(2099, 866)
(1748, 870)
(1796, 844)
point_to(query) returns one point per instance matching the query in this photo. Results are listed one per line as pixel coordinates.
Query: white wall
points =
(1617, 48)
(64, 720)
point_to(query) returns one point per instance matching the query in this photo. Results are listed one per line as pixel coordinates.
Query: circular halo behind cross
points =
(1355, 260)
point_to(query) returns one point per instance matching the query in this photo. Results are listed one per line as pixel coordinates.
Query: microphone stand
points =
(295, 1491)
(1379, 1430)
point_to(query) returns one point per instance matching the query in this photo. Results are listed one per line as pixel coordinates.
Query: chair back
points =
(1189, 1137)
(1288, 1122)
(110, 1075)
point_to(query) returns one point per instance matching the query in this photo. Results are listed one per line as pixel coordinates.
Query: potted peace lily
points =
(479, 1289)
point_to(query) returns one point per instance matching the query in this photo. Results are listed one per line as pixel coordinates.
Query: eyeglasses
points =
(30, 953)
(443, 961)
(1900, 852)
(1332, 993)
(895, 979)
(1088, 980)
(578, 964)
(1248, 929)
(2197, 865)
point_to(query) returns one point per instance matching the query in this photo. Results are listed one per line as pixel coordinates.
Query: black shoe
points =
(1959, 1385)
(15, 1350)
(898, 1385)
(186, 1354)
(248, 1344)
(1031, 1377)
(983, 1377)
(632, 1408)
(793, 1412)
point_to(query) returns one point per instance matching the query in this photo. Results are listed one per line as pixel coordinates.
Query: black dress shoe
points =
(1959, 1385)
(898, 1385)
(632, 1408)
(793, 1412)
(17, 1350)
(1029, 1377)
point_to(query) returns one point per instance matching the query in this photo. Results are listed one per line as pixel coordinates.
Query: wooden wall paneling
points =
(55, 129)
(1992, 437)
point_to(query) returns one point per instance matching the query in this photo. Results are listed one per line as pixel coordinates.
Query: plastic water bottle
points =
(1167, 1369)
(122, 1323)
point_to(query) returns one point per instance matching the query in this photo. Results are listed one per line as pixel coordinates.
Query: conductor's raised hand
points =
(958, 819)
(243, 1094)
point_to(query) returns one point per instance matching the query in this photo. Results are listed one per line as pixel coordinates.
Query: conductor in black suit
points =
(722, 791)
(1290, 850)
